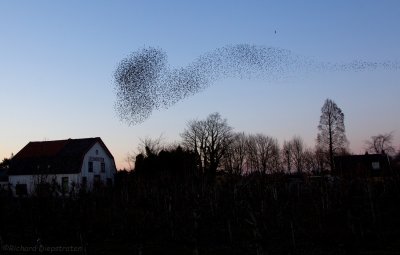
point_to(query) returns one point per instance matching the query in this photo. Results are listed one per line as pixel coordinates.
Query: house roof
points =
(53, 157)
(360, 164)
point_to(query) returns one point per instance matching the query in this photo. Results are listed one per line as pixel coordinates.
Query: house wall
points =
(98, 155)
(32, 180)
(3, 185)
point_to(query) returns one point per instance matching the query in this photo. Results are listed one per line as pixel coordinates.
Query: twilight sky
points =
(57, 60)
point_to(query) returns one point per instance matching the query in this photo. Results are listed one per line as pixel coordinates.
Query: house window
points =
(64, 184)
(21, 189)
(97, 152)
(375, 165)
(90, 167)
(103, 167)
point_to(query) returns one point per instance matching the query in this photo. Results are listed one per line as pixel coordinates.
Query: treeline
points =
(211, 145)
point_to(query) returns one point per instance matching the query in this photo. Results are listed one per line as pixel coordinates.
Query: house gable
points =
(97, 165)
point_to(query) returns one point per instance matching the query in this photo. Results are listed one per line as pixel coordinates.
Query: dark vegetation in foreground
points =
(164, 213)
(168, 206)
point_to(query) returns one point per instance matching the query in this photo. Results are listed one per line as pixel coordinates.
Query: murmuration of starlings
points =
(145, 82)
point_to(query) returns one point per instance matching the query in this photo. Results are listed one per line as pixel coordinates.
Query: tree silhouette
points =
(263, 153)
(5, 164)
(293, 151)
(381, 143)
(331, 138)
(209, 139)
(310, 160)
(235, 157)
(166, 164)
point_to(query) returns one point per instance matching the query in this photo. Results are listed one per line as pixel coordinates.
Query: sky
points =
(58, 58)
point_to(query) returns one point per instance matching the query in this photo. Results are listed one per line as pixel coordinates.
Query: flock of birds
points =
(145, 82)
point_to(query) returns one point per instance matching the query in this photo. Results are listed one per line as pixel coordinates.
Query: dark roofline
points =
(376, 155)
(98, 139)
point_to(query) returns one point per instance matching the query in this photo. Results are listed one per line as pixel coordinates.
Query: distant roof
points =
(361, 165)
(53, 157)
(364, 157)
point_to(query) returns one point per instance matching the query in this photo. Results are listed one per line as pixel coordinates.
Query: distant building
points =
(368, 165)
(66, 164)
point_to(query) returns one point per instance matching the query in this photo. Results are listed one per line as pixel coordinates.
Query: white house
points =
(66, 164)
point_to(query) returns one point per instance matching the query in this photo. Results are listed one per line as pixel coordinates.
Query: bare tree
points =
(381, 143)
(148, 148)
(320, 157)
(331, 138)
(263, 153)
(194, 137)
(293, 154)
(236, 154)
(297, 153)
(130, 160)
(310, 161)
(209, 139)
(149, 145)
(286, 156)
